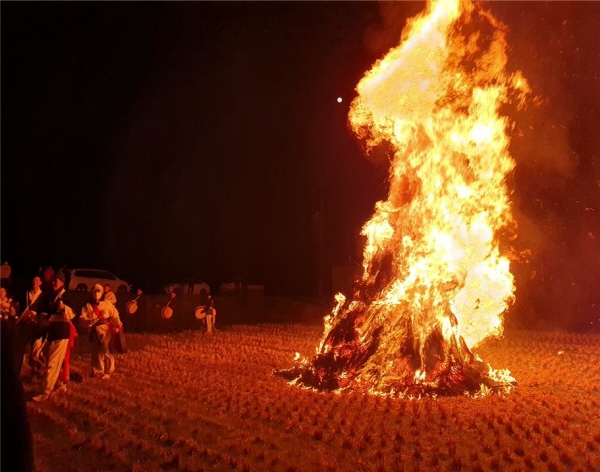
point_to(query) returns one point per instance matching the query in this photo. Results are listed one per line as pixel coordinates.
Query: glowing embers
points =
(435, 282)
(438, 364)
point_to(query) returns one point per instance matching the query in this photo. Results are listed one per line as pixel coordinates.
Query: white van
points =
(82, 280)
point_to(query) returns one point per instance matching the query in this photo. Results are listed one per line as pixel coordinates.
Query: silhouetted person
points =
(5, 274)
(48, 279)
(211, 313)
(67, 273)
(17, 442)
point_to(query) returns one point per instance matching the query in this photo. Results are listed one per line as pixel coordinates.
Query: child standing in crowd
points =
(7, 309)
(109, 295)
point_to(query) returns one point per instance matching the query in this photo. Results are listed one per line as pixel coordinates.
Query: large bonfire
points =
(435, 282)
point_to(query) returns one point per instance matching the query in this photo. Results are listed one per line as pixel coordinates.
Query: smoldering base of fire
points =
(438, 367)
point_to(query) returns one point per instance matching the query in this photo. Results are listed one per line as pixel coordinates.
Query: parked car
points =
(187, 286)
(82, 280)
(234, 284)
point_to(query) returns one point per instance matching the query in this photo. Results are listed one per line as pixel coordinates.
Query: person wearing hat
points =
(57, 315)
(103, 319)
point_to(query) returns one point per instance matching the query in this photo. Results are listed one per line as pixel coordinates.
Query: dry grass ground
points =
(190, 401)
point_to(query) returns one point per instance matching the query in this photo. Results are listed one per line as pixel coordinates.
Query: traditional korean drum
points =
(199, 313)
(166, 312)
(131, 306)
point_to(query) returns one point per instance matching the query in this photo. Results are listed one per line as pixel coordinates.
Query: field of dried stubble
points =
(189, 401)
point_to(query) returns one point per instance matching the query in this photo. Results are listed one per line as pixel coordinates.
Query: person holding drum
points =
(132, 305)
(103, 319)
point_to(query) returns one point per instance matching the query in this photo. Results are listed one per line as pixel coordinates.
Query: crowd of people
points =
(39, 335)
(43, 334)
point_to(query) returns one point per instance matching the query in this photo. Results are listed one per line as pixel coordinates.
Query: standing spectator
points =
(39, 332)
(7, 309)
(28, 328)
(211, 313)
(16, 439)
(64, 374)
(58, 314)
(103, 318)
(5, 274)
(33, 296)
(109, 295)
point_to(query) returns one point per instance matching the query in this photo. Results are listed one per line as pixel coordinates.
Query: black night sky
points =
(167, 140)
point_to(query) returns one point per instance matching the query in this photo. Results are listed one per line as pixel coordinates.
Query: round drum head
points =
(131, 306)
(166, 312)
(199, 313)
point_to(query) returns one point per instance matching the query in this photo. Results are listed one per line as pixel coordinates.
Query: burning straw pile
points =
(435, 282)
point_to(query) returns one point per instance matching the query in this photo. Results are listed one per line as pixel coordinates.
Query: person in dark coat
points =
(58, 315)
(17, 441)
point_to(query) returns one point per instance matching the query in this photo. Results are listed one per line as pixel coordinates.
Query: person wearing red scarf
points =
(65, 373)
(103, 319)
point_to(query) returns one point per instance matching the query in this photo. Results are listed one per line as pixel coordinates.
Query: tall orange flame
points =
(435, 283)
